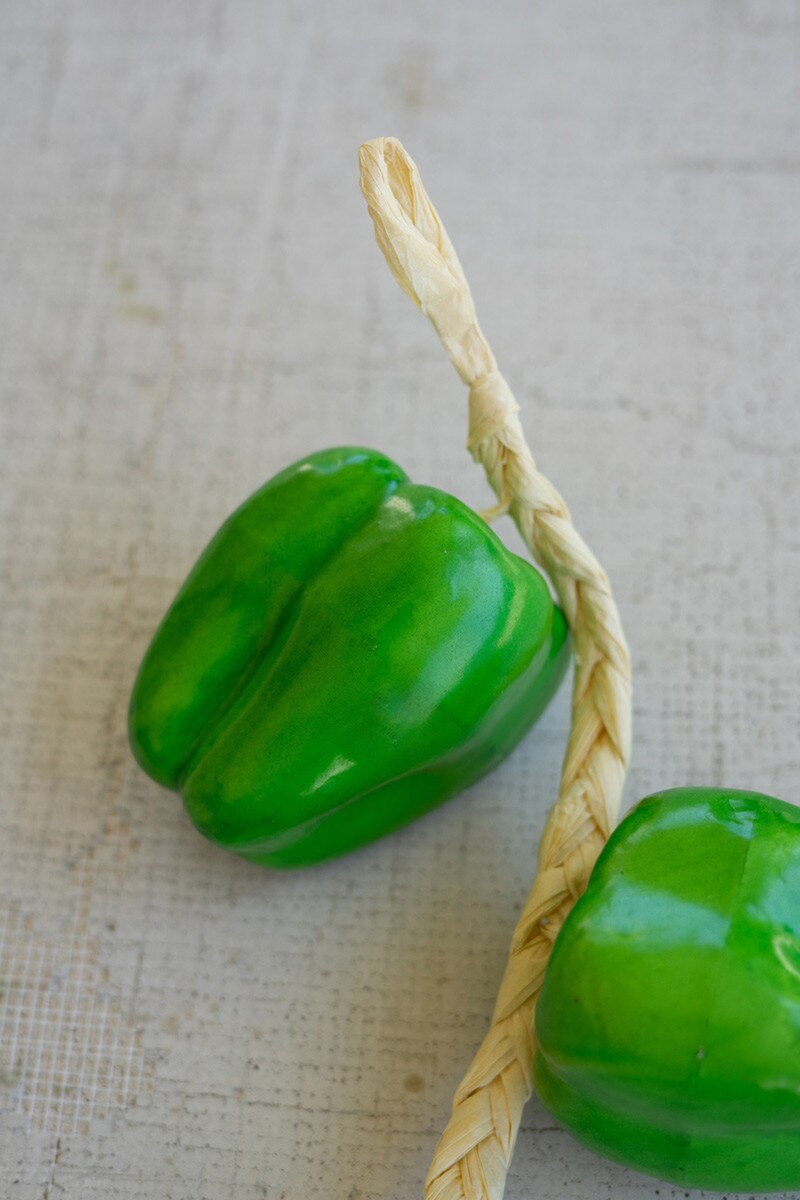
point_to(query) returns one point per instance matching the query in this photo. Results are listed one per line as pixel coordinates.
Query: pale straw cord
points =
(472, 1158)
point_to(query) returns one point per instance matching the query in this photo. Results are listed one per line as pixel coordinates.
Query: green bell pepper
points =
(350, 650)
(668, 1024)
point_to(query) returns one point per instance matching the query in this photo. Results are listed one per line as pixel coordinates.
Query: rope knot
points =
(491, 405)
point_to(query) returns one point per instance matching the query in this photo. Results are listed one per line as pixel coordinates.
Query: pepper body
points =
(668, 1024)
(350, 650)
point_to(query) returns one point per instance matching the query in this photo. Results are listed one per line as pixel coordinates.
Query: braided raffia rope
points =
(472, 1157)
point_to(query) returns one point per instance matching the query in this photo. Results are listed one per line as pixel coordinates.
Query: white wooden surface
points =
(190, 298)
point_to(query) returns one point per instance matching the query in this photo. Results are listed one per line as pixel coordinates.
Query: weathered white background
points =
(190, 298)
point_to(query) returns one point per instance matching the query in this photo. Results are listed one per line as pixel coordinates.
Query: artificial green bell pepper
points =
(350, 650)
(668, 1025)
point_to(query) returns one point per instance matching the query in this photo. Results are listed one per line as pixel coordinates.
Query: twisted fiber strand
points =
(472, 1157)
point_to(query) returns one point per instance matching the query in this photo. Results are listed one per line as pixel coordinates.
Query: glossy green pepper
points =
(669, 1021)
(350, 650)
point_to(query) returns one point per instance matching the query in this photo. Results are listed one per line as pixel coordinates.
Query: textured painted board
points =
(190, 298)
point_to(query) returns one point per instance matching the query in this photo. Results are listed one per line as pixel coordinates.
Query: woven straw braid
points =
(472, 1157)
